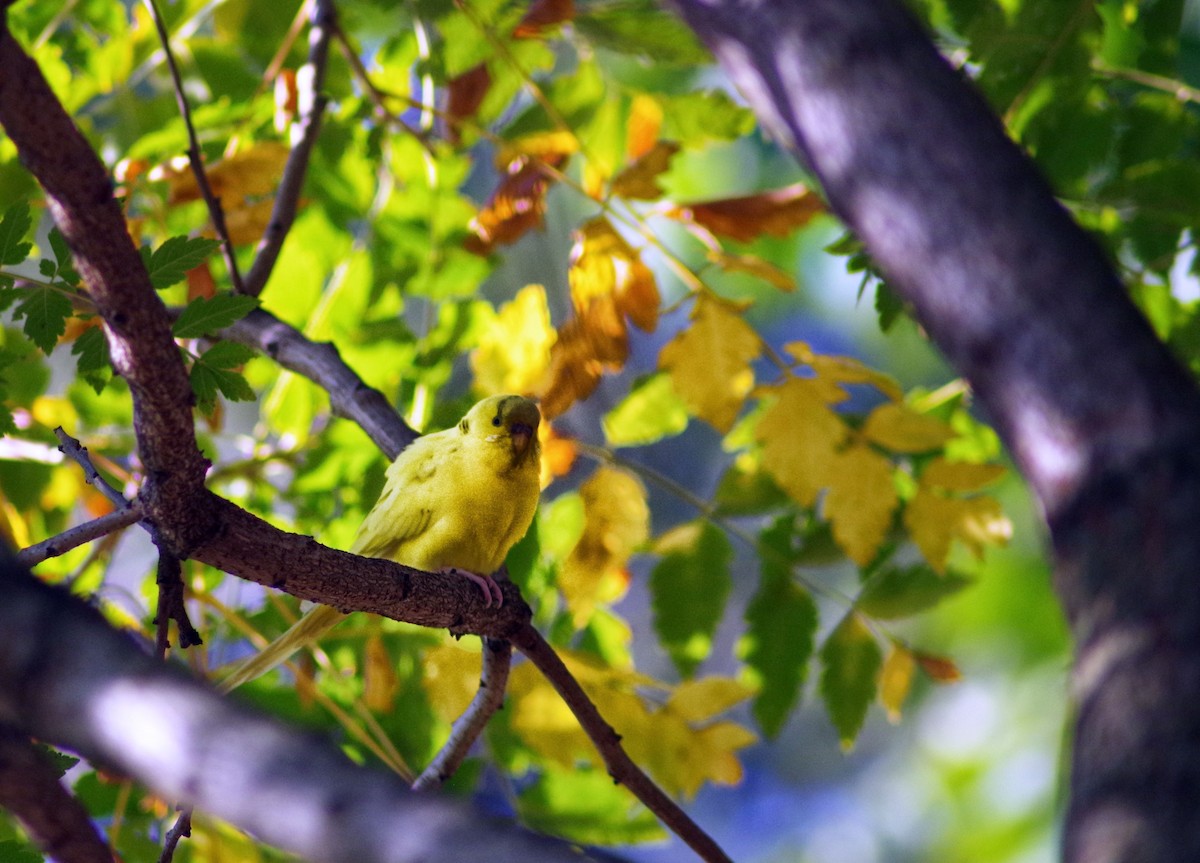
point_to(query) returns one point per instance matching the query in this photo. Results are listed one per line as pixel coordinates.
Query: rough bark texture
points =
(1099, 417)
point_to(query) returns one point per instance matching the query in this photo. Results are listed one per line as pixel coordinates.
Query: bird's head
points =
(506, 419)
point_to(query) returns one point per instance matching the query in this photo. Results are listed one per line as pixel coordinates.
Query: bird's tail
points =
(316, 622)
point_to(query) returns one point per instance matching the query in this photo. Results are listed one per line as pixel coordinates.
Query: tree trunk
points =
(1100, 418)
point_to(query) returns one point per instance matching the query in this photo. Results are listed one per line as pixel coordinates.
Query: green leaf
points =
(60, 761)
(585, 806)
(45, 311)
(13, 227)
(903, 591)
(642, 29)
(203, 316)
(208, 380)
(651, 412)
(693, 118)
(781, 622)
(60, 269)
(169, 263)
(12, 851)
(851, 660)
(688, 588)
(92, 360)
(9, 292)
(227, 355)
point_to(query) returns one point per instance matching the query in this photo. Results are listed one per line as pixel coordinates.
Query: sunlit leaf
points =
(710, 362)
(639, 181)
(799, 436)
(514, 349)
(860, 501)
(651, 412)
(895, 680)
(616, 523)
(899, 428)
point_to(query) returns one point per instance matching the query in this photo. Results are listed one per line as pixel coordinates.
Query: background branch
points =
(80, 534)
(284, 786)
(309, 82)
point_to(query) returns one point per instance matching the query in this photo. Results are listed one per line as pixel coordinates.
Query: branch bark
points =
(85, 686)
(1099, 417)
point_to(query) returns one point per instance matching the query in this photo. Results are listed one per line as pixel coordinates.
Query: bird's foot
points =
(486, 583)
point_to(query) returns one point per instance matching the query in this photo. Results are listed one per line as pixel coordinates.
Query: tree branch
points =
(31, 790)
(113, 702)
(620, 766)
(1103, 422)
(79, 534)
(195, 157)
(310, 81)
(79, 192)
(493, 682)
(321, 363)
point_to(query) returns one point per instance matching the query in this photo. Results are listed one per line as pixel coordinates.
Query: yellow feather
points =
(457, 499)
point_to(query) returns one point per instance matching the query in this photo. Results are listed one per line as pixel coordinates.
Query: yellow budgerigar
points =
(456, 500)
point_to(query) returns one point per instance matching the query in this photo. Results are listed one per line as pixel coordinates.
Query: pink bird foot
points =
(486, 583)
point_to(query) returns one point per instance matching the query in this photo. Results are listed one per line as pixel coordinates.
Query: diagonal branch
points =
(195, 158)
(310, 81)
(80, 534)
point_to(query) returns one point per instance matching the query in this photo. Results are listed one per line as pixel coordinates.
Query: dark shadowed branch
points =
(1102, 421)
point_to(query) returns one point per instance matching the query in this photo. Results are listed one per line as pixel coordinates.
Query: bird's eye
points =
(495, 421)
(465, 426)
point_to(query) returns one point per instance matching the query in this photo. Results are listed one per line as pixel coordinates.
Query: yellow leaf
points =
(616, 522)
(934, 521)
(895, 680)
(698, 700)
(249, 173)
(960, 476)
(901, 429)
(450, 679)
(860, 501)
(379, 676)
(710, 361)
(603, 264)
(844, 370)
(594, 342)
(640, 180)
(799, 436)
(514, 349)
(645, 121)
(543, 721)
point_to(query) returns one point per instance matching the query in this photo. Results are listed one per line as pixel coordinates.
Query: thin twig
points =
(76, 451)
(181, 828)
(608, 743)
(195, 158)
(310, 83)
(76, 536)
(171, 605)
(493, 681)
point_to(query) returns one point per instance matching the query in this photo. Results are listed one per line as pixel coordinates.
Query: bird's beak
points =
(521, 434)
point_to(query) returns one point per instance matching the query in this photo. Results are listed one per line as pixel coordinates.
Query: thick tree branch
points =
(1102, 421)
(111, 701)
(80, 195)
(31, 790)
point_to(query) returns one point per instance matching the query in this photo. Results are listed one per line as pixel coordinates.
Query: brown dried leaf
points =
(639, 181)
(464, 95)
(593, 342)
(515, 207)
(777, 213)
(543, 14)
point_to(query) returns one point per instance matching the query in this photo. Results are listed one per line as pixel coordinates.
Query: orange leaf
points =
(645, 121)
(558, 453)
(543, 14)
(286, 99)
(603, 264)
(517, 205)
(777, 213)
(379, 676)
(200, 282)
(940, 669)
(588, 345)
(640, 180)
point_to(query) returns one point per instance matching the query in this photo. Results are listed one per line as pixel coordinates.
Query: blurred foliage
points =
(462, 140)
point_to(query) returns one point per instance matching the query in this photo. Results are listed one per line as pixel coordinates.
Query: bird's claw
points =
(491, 590)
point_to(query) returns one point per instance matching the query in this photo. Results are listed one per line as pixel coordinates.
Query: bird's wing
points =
(409, 499)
